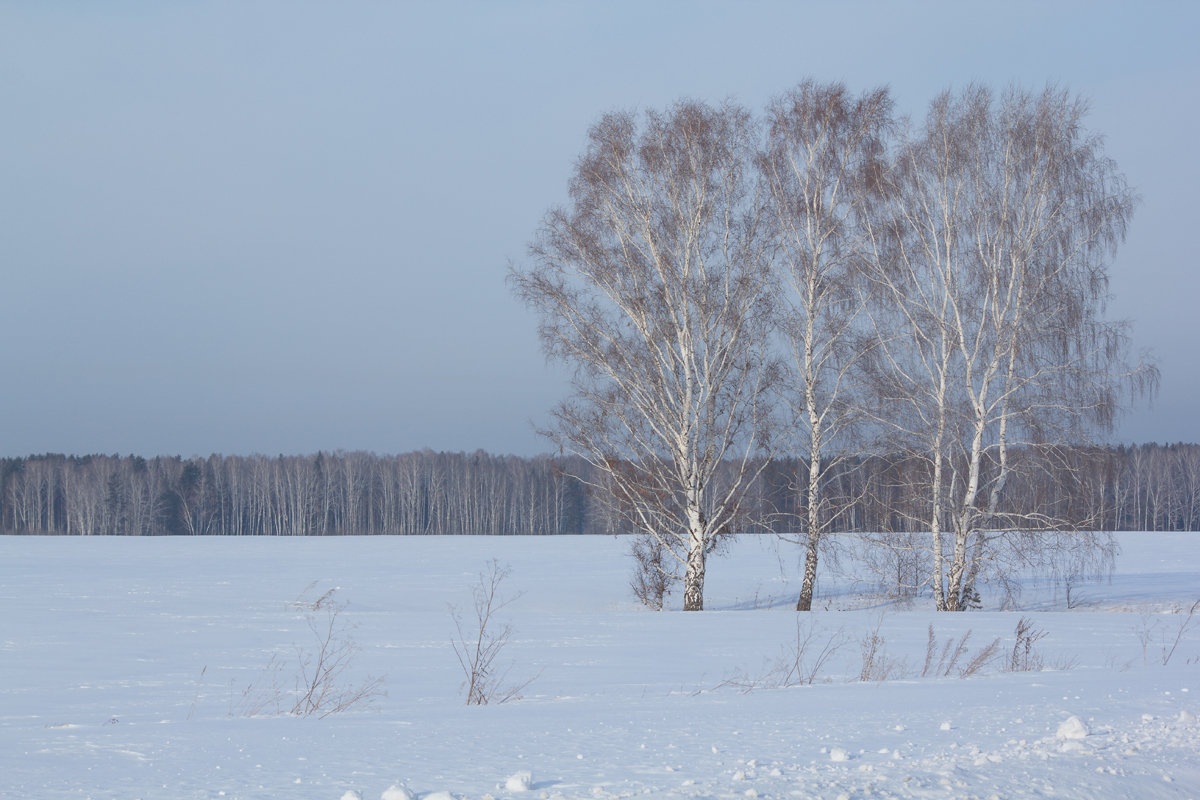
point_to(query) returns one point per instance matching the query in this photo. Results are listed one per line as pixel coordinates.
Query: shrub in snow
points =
(652, 577)
(798, 663)
(1168, 650)
(876, 665)
(520, 782)
(319, 673)
(1072, 728)
(478, 646)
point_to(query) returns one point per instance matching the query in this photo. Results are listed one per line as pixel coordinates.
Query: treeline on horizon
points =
(1141, 487)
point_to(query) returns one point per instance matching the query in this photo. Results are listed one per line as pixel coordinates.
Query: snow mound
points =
(352, 795)
(397, 791)
(440, 796)
(1072, 728)
(519, 782)
(838, 754)
(1187, 717)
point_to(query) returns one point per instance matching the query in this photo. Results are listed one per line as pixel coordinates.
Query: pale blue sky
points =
(280, 227)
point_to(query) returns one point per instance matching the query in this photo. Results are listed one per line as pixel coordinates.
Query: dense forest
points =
(1143, 487)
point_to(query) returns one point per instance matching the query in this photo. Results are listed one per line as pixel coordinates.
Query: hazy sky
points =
(279, 227)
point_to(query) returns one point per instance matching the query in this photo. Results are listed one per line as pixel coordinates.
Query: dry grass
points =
(1025, 656)
(941, 660)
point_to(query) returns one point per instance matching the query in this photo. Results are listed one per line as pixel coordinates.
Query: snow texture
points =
(125, 664)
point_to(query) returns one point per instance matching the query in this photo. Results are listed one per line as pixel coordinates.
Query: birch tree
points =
(825, 154)
(990, 296)
(652, 284)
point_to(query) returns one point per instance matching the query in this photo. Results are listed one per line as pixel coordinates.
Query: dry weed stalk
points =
(478, 649)
(318, 688)
(952, 651)
(876, 665)
(1024, 656)
(796, 665)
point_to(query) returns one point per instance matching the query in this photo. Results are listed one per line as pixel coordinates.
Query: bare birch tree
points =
(653, 284)
(990, 299)
(825, 154)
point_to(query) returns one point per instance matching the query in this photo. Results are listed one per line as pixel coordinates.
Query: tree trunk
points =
(810, 575)
(814, 526)
(693, 580)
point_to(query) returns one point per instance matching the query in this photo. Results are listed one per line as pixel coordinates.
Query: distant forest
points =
(1144, 487)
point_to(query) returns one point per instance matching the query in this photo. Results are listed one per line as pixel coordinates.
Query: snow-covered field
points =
(125, 663)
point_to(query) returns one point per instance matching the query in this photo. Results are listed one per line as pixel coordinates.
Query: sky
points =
(284, 227)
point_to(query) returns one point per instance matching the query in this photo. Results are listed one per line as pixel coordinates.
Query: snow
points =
(520, 782)
(1072, 728)
(123, 664)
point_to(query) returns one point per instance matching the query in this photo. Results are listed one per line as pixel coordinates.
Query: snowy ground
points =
(124, 665)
